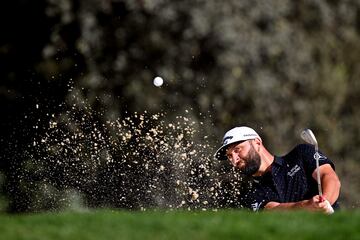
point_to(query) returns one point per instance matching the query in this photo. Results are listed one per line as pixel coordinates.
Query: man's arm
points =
(313, 204)
(331, 190)
(330, 183)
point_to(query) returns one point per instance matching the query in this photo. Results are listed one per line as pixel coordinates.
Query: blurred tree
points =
(277, 66)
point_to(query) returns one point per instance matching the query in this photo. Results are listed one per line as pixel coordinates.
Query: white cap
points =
(237, 134)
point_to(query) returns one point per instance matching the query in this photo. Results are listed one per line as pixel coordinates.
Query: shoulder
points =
(300, 150)
(299, 154)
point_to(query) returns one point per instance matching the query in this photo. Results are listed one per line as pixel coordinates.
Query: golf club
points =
(308, 136)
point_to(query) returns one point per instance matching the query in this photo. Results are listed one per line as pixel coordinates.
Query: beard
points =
(252, 163)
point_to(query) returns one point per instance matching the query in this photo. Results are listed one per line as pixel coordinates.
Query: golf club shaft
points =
(318, 171)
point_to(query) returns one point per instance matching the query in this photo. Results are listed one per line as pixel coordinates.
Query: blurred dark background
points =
(277, 66)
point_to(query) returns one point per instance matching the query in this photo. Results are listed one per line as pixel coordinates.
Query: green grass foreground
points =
(224, 224)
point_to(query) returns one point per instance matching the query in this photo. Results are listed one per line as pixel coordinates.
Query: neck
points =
(266, 160)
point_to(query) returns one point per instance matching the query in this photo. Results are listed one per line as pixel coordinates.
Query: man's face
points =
(244, 157)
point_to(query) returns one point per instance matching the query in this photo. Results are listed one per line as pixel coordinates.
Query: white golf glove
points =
(329, 209)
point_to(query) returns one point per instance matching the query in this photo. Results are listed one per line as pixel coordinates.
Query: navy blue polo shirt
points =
(290, 179)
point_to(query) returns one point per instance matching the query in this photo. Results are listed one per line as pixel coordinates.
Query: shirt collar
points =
(279, 160)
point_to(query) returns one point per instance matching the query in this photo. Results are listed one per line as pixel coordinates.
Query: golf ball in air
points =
(158, 81)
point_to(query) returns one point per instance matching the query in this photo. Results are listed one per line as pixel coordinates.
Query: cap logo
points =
(250, 135)
(226, 140)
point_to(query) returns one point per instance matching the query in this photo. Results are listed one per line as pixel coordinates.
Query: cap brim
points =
(220, 153)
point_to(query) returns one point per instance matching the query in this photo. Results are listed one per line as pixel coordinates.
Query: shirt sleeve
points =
(254, 200)
(308, 156)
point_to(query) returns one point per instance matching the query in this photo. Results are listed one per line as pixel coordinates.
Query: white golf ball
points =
(158, 81)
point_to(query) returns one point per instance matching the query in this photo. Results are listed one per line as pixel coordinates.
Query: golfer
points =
(280, 182)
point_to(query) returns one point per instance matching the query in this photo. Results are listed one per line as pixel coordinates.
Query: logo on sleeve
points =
(320, 156)
(255, 206)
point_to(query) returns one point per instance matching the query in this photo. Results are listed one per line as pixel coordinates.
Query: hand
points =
(329, 209)
(319, 203)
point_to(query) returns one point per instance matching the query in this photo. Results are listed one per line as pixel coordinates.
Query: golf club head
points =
(308, 136)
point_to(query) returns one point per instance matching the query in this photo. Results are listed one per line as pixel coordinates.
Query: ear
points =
(257, 141)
